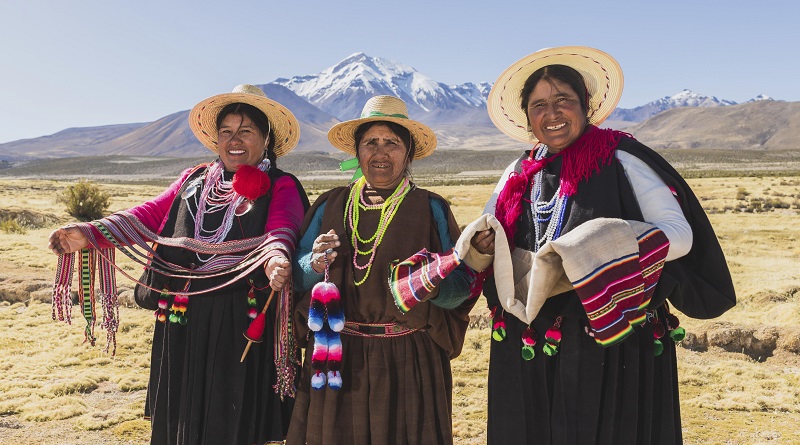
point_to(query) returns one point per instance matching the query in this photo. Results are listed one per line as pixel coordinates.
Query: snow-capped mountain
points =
(342, 90)
(759, 98)
(686, 98)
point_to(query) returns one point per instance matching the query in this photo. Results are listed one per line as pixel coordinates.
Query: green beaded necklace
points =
(352, 211)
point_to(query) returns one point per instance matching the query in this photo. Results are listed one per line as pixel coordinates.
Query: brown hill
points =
(763, 125)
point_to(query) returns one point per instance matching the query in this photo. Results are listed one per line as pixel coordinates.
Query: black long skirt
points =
(585, 394)
(199, 392)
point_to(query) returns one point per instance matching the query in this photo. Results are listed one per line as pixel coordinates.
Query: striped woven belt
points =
(376, 329)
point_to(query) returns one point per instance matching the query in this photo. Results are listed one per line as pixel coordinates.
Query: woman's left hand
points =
(279, 271)
(483, 242)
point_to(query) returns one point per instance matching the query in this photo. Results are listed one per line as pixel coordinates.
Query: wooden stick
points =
(263, 311)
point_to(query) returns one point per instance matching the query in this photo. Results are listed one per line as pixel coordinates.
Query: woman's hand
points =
(483, 242)
(67, 239)
(325, 242)
(278, 270)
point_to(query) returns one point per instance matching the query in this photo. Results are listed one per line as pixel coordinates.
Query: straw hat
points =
(602, 74)
(203, 117)
(383, 108)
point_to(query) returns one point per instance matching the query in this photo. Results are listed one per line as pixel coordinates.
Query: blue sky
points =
(81, 63)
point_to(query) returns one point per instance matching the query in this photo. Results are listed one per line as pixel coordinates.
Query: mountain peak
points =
(341, 90)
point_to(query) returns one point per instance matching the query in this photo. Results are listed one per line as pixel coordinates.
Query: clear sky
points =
(82, 63)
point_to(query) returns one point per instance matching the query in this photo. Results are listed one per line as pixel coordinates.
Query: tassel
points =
(318, 380)
(334, 360)
(676, 332)
(319, 355)
(335, 380)
(255, 332)
(163, 304)
(498, 325)
(658, 332)
(252, 312)
(553, 338)
(528, 342)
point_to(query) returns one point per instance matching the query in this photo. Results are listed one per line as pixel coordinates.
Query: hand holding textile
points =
(67, 239)
(278, 269)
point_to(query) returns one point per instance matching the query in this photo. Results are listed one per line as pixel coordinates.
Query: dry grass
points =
(743, 389)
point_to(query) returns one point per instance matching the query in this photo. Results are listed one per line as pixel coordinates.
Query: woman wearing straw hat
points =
(596, 364)
(376, 372)
(225, 234)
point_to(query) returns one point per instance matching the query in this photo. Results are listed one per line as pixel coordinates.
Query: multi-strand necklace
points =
(550, 212)
(356, 203)
(218, 195)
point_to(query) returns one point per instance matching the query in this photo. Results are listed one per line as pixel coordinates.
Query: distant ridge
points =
(759, 125)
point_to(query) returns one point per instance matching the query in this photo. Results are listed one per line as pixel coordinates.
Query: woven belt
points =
(376, 329)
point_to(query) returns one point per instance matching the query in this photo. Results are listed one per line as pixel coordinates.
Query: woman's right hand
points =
(67, 239)
(325, 242)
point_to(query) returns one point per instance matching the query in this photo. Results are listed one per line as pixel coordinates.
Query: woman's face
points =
(240, 142)
(555, 114)
(382, 157)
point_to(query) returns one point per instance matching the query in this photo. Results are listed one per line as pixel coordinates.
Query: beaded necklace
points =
(217, 195)
(543, 211)
(357, 203)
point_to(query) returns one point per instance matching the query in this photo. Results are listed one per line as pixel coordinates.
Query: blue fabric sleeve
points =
(306, 277)
(455, 288)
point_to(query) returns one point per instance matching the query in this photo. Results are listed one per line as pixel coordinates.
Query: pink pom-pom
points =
(250, 182)
(553, 335)
(528, 337)
(252, 312)
(325, 291)
(658, 329)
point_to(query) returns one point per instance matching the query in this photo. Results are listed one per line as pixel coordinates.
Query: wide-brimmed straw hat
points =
(602, 74)
(203, 117)
(383, 108)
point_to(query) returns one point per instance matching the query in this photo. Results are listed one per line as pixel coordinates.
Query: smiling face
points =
(555, 114)
(240, 142)
(382, 156)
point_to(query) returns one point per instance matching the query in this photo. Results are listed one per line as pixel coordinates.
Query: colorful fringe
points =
(616, 294)
(125, 232)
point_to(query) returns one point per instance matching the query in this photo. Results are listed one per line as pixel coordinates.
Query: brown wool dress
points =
(395, 390)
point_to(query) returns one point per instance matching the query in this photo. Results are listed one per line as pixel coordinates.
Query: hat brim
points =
(602, 74)
(285, 127)
(342, 135)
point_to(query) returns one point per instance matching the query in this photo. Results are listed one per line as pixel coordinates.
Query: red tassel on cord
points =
(255, 332)
(250, 182)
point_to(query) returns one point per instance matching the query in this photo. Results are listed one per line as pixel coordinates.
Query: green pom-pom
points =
(550, 349)
(173, 318)
(528, 353)
(677, 334)
(182, 320)
(658, 348)
(499, 334)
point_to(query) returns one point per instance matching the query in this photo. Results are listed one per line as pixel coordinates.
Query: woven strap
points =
(376, 329)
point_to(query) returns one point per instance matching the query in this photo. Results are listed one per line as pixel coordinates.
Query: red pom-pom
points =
(250, 182)
(658, 329)
(256, 329)
(553, 335)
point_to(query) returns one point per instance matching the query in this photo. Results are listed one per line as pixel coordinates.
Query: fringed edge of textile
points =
(62, 298)
(285, 346)
(124, 231)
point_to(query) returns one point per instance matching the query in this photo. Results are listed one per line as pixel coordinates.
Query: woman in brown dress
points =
(387, 376)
